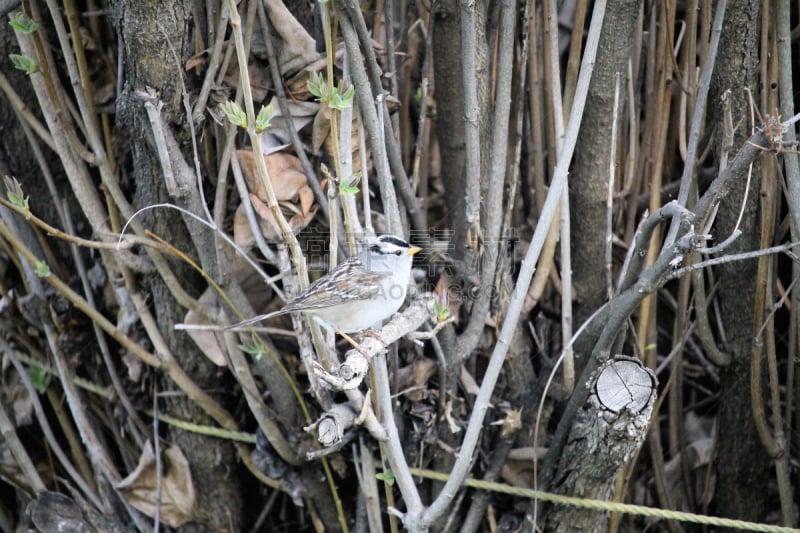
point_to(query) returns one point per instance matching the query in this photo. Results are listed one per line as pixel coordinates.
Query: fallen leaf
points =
(199, 59)
(412, 379)
(321, 136)
(297, 85)
(285, 175)
(278, 135)
(211, 343)
(290, 187)
(242, 231)
(260, 82)
(321, 129)
(298, 48)
(177, 489)
(269, 226)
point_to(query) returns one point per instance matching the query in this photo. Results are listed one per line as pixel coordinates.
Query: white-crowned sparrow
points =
(358, 293)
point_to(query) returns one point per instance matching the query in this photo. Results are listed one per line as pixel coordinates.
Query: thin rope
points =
(601, 505)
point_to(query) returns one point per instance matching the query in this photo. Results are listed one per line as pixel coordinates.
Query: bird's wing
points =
(334, 288)
(338, 287)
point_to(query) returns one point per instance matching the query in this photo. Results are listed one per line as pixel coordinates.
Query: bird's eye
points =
(397, 252)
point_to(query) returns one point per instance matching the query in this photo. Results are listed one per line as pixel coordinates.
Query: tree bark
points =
(156, 37)
(741, 460)
(588, 185)
(450, 114)
(607, 432)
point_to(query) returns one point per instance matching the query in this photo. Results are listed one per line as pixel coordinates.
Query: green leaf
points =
(317, 86)
(442, 311)
(387, 476)
(341, 98)
(42, 270)
(264, 117)
(257, 350)
(24, 63)
(348, 95)
(23, 23)
(235, 113)
(16, 195)
(351, 186)
(40, 378)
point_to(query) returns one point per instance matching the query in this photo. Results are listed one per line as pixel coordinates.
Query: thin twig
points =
(366, 106)
(390, 141)
(472, 136)
(491, 224)
(680, 272)
(214, 66)
(687, 178)
(277, 81)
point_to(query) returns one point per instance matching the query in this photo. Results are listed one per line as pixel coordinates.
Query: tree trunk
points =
(450, 114)
(741, 460)
(588, 186)
(157, 41)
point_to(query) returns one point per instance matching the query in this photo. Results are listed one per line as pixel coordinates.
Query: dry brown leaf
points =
(297, 85)
(211, 343)
(412, 379)
(290, 187)
(269, 226)
(285, 175)
(298, 48)
(177, 489)
(321, 129)
(242, 231)
(197, 60)
(278, 134)
(321, 136)
(260, 82)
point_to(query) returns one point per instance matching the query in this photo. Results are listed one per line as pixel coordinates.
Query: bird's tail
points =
(249, 321)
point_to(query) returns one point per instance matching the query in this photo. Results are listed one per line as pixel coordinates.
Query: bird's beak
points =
(414, 250)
